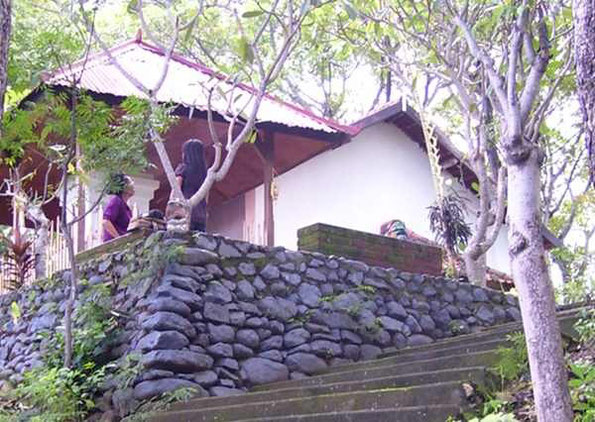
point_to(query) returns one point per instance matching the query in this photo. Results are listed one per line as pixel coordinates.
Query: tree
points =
(521, 113)
(506, 50)
(262, 53)
(420, 64)
(584, 44)
(87, 141)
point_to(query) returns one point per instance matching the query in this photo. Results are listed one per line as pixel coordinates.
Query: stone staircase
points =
(423, 383)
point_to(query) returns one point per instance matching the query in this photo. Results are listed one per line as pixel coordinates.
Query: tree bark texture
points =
(476, 269)
(35, 214)
(529, 270)
(584, 41)
(5, 29)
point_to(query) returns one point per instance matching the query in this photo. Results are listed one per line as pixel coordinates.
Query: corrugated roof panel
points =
(186, 83)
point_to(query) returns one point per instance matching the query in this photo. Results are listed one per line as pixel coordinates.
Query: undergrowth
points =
(513, 369)
(52, 393)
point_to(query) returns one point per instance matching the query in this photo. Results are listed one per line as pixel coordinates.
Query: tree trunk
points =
(584, 42)
(35, 214)
(66, 232)
(5, 29)
(529, 270)
(41, 247)
(475, 269)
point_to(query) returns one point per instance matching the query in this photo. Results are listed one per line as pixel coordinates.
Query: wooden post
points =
(266, 148)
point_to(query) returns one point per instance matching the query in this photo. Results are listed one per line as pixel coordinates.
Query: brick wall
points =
(371, 248)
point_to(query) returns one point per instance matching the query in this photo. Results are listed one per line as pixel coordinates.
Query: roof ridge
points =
(90, 60)
(56, 73)
(351, 130)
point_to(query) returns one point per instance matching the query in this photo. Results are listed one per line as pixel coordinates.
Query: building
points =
(301, 170)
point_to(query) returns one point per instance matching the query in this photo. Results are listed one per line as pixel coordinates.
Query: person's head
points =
(122, 185)
(157, 214)
(192, 156)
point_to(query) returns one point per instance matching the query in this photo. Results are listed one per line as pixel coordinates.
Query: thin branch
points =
(488, 62)
(536, 72)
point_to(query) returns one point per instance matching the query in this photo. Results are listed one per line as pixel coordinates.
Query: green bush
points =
(56, 394)
(585, 326)
(513, 361)
(582, 391)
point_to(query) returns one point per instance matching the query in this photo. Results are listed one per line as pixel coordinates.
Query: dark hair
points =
(193, 159)
(117, 183)
(157, 214)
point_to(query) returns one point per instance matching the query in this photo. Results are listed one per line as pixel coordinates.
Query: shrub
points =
(585, 326)
(582, 391)
(55, 393)
(513, 361)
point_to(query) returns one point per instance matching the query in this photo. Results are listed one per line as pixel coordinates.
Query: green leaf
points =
(252, 13)
(252, 138)
(245, 51)
(15, 312)
(132, 6)
(377, 29)
(190, 29)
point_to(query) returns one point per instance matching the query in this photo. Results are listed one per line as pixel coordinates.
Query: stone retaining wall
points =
(226, 315)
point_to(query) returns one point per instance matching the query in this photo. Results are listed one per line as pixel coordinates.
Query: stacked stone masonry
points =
(406, 255)
(227, 315)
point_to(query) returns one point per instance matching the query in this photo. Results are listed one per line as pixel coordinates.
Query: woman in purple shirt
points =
(117, 213)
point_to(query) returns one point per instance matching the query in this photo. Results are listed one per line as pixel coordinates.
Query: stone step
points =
(486, 358)
(451, 341)
(456, 350)
(478, 375)
(422, 383)
(436, 413)
(446, 393)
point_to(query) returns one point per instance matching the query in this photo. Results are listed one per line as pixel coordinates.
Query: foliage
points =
(582, 391)
(576, 291)
(15, 312)
(103, 144)
(63, 394)
(94, 326)
(513, 361)
(155, 261)
(59, 394)
(447, 222)
(19, 262)
(573, 221)
(36, 48)
(17, 133)
(585, 326)
(159, 404)
(456, 327)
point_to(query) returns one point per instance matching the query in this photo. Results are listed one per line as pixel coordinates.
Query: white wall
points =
(227, 219)
(380, 175)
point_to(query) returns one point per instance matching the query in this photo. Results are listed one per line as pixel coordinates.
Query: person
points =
(191, 174)
(117, 213)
